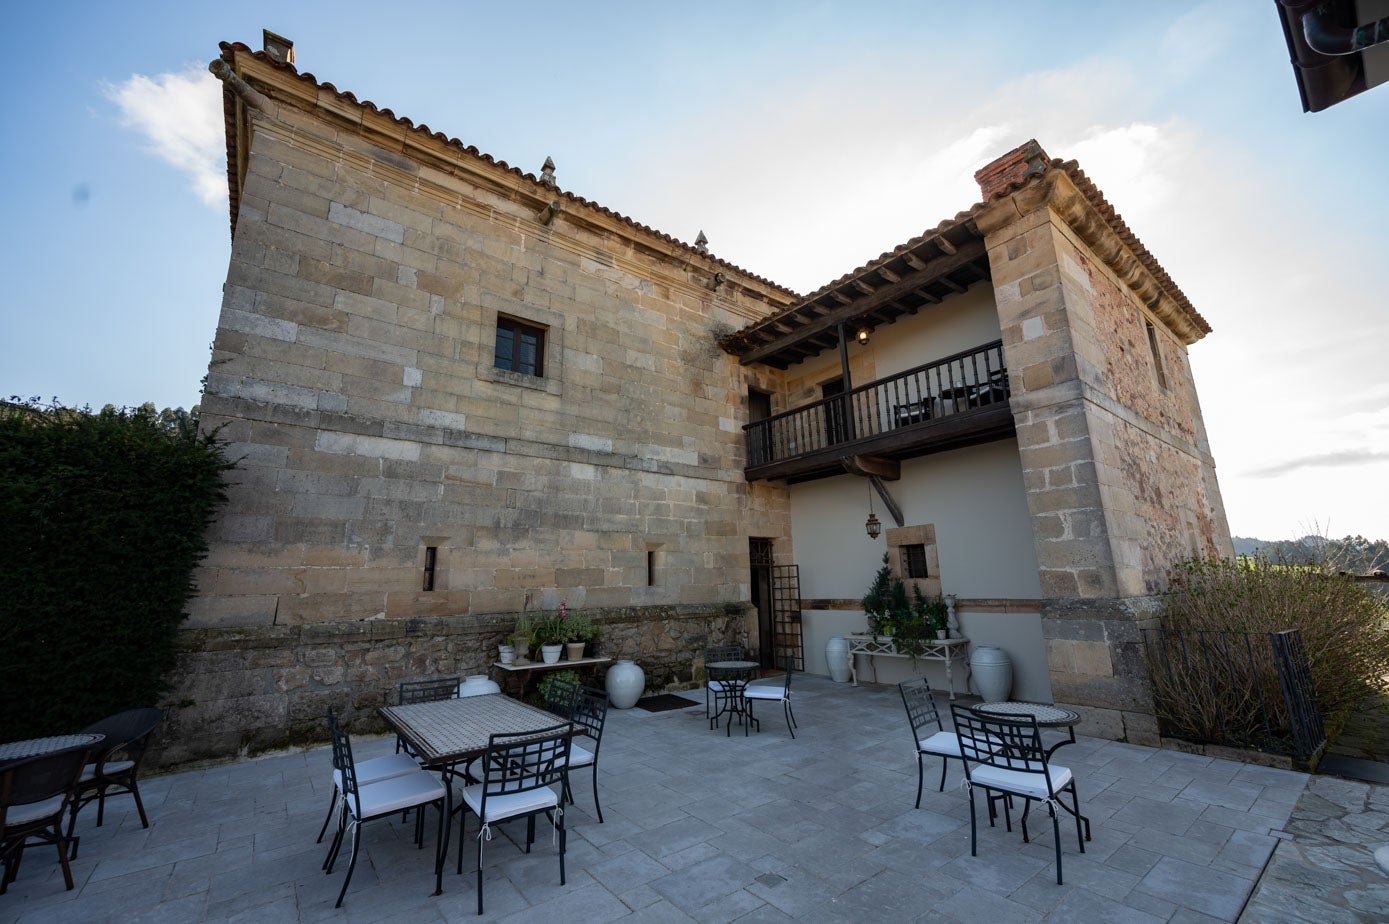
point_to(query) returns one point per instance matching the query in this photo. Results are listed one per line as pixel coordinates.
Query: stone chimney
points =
(277, 47)
(1023, 161)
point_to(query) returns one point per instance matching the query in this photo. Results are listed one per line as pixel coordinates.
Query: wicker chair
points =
(35, 794)
(117, 767)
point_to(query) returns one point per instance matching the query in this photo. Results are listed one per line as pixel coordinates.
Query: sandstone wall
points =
(257, 688)
(353, 376)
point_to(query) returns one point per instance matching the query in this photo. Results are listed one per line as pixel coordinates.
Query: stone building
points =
(460, 393)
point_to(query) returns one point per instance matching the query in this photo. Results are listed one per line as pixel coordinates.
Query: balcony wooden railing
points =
(895, 414)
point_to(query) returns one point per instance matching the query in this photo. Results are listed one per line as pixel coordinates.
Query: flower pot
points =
(574, 651)
(992, 671)
(940, 634)
(550, 653)
(506, 654)
(477, 685)
(521, 642)
(625, 683)
(837, 657)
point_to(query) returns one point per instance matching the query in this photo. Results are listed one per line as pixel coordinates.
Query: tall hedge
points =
(102, 518)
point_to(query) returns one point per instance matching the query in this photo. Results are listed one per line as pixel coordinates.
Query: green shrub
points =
(103, 515)
(1343, 627)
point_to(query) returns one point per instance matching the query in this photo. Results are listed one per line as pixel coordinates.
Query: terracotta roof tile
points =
(231, 49)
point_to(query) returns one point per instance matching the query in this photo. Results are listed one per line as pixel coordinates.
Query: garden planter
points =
(992, 671)
(550, 653)
(837, 657)
(625, 683)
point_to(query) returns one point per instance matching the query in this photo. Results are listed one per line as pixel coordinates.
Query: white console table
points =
(947, 650)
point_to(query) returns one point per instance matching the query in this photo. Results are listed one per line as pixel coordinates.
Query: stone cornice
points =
(1076, 208)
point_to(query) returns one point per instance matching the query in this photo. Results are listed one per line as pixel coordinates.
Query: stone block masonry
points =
(253, 689)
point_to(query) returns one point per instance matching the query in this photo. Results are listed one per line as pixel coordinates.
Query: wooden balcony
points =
(956, 401)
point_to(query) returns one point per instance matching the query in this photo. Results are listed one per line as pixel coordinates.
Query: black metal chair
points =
(368, 771)
(1009, 759)
(590, 711)
(714, 687)
(410, 692)
(35, 794)
(922, 714)
(370, 801)
(519, 771)
(560, 696)
(767, 692)
(117, 767)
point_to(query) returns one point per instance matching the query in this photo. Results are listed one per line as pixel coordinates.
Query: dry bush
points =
(1343, 626)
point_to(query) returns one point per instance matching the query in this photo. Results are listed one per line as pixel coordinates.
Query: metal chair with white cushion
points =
(712, 688)
(1008, 758)
(368, 802)
(368, 771)
(775, 693)
(519, 771)
(923, 715)
(590, 710)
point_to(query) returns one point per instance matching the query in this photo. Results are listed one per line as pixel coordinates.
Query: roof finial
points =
(702, 242)
(547, 172)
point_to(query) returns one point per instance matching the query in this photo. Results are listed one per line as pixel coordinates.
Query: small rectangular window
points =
(431, 557)
(1157, 356)
(520, 347)
(914, 562)
(650, 568)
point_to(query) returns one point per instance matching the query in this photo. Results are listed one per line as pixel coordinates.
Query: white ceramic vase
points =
(550, 653)
(625, 683)
(477, 685)
(992, 671)
(837, 657)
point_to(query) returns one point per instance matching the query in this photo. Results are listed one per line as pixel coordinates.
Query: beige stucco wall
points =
(974, 497)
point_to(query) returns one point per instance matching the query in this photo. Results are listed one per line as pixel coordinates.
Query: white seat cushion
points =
(27, 812)
(500, 808)
(399, 793)
(379, 768)
(764, 692)
(716, 686)
(1018, 782)
(580, 756)
(112, 768)
(942, 742)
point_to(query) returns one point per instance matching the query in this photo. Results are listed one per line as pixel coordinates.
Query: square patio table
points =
(449, 731)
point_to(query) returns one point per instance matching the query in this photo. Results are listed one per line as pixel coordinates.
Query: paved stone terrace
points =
(701, 827)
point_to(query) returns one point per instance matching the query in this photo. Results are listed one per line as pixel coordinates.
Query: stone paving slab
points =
(703, 827)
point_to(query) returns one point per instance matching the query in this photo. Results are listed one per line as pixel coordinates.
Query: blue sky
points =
(803, 138)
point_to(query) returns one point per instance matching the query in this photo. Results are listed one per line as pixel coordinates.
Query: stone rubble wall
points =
(243, 691)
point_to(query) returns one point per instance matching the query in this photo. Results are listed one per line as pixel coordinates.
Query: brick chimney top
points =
(279, 48)
(1023, 161)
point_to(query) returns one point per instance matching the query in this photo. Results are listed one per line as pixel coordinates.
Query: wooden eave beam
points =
(938, 268)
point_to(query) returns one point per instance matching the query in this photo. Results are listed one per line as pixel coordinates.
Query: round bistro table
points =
(33, 747)
(734, 675)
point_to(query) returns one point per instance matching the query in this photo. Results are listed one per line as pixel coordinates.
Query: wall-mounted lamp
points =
(862, 336)
(874, 525)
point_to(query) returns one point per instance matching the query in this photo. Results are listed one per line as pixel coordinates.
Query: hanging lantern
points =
(874, 525)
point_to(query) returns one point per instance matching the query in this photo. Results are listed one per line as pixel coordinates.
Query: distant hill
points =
(1352, 553)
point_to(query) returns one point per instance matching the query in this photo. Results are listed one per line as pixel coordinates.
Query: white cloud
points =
(181, 116)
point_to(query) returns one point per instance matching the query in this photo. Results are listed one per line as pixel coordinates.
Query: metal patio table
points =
(734, 675)
(33, 747)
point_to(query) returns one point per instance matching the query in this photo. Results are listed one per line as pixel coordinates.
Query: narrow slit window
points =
(650, 567)
(431, 558)
(1157, 356)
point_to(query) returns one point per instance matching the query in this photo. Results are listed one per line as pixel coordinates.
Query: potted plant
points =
(549, 636)
(576, 631)
(932, 613)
